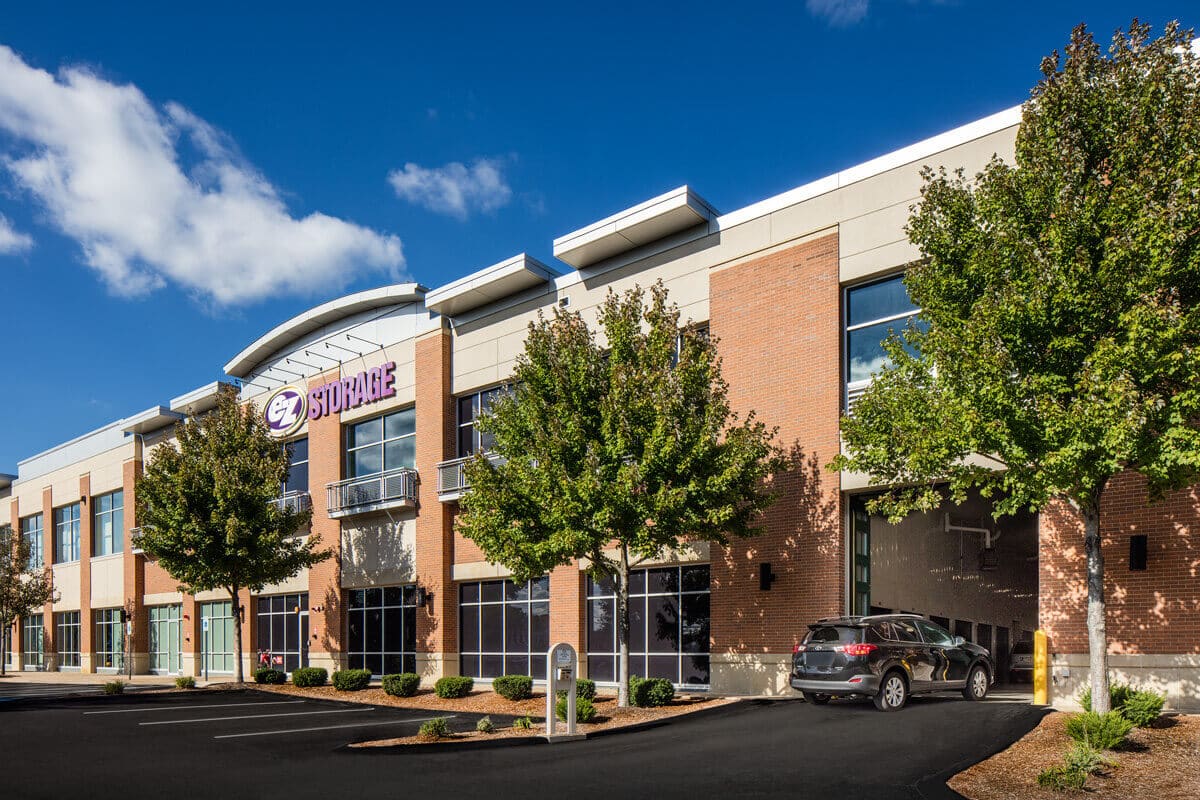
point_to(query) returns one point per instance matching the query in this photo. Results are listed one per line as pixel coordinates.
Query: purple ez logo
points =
(285, 410)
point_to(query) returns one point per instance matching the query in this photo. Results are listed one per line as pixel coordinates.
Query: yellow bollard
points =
(1041, 669)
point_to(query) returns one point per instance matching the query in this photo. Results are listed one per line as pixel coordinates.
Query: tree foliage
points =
(1060, 328)
(625, 443)
(206, 508)
(24, 588)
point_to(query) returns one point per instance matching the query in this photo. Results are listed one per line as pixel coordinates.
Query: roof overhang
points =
(642, 224)
(489, 285)
(6, 480)
(152, 419)
(199, 400)
(316, 318)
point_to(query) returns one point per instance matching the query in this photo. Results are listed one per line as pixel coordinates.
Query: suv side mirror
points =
(959, 641)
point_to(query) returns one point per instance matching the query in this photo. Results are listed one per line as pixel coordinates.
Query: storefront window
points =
(216, 636)
(381, 444)
(669, 623)
(66, 637)
(382, 629)
(110, 639)
(166, 634)
(33, 644)
(283, 631)
(504, 628)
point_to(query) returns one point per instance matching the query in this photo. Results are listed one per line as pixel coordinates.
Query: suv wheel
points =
(815, 698)
(977, 684)
(893, 692)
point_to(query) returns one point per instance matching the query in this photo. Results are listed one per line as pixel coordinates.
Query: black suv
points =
(887, 658)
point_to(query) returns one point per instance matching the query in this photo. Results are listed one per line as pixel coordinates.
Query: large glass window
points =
(382, 629)
(32, 532)
(381, 444)
(282, 623)
(504, 628)
(297, 480)
(873, 312)
(66, 534)
(216, 636)
(110, 639)
(166, 638)
(66, 639)
(108, 525)
(33, 642)
(669, 622)
(470, 408)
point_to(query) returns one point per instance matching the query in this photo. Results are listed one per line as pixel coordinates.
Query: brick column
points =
(437, 623)
(48, 552)
(133, 566)
(190, 655)
(14, 641)
(568, 614)
(327, 625)
(86, 629)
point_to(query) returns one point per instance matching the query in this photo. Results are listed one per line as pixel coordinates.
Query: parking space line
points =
(254, 716)
(328, 727)
(188, 708)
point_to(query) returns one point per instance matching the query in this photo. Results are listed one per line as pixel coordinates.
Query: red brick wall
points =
(15, 637)
(86, 624)
(778, 324)
(134, 566)
(324, 579)
(48, 548)
(1152, 611)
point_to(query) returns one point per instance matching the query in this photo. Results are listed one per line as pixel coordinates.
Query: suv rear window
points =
(832, 634)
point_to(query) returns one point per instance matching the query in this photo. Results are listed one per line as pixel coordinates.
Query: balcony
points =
(294, 501)
(452, 476)
(395, 488)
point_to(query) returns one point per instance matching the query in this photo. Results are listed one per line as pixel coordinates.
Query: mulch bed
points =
(1160, 763)
(608, 715)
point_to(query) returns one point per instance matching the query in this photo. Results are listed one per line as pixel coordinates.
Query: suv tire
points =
(893, 692)
(816, 698)
(976, 687)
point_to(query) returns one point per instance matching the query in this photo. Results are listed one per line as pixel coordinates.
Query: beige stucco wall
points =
(108, 581)
(1176, 676)
(66, 584)
(378, 550)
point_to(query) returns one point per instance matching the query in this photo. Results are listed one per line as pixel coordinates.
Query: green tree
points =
(23, 586)
(615, 452)
(206, 509)
(1060, 330)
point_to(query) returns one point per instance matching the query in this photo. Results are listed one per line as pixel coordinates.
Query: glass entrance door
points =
(216, 637)
(860, 535)
(166, 639)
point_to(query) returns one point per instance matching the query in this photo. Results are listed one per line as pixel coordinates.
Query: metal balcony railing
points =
(452, 477)
(299, 500)
(395, 488)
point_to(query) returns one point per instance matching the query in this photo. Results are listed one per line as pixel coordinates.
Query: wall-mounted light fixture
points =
(765, 576)
(424, 597)
(1138, 552)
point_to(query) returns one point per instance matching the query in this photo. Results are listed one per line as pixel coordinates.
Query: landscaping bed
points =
(1161, 762)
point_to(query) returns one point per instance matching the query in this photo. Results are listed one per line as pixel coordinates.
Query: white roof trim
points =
(489, 285)
(151, 419)
(876, 166)
(642, 224)
(199, 400)
(315, 318)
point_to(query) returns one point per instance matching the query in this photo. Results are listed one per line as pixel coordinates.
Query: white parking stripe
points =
(253, 716)
(188, 708)
(328, 727)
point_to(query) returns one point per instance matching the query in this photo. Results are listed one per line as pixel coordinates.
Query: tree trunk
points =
(238, 674)
(1097, 635)
(623, 629)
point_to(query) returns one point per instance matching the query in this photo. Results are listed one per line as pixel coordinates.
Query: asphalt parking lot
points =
(247, 744)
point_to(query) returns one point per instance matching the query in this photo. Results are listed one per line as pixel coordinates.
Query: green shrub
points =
(523, 723)
(585, 689)
(1143, 707)
(309, 676)
(1061, 778)
(402, 684)
(585, 710)
(351, 680)
(485, 725)
(268, 675)
(1118, 694)
(514, 687)
(1086, 759)
(436, 728)
(650, 692)
(453, 686)
(115, 687)
(185, 682)
(1101, 731)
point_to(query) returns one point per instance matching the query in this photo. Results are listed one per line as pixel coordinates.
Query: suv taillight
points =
(857, 649)
(797, 648)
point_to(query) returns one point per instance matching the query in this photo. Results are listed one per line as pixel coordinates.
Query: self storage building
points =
(378, 393)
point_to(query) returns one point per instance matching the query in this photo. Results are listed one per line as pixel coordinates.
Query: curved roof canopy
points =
(316, 318)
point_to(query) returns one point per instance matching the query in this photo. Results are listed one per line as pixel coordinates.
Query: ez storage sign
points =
(288, 406)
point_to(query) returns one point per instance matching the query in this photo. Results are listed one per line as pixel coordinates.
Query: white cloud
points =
(106, 165)
(838, 13)
(11, 239)
(455, 189)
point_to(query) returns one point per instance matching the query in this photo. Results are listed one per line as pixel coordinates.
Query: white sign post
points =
(562, 668)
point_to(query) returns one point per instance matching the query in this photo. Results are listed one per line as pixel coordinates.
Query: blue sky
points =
(171, 186)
